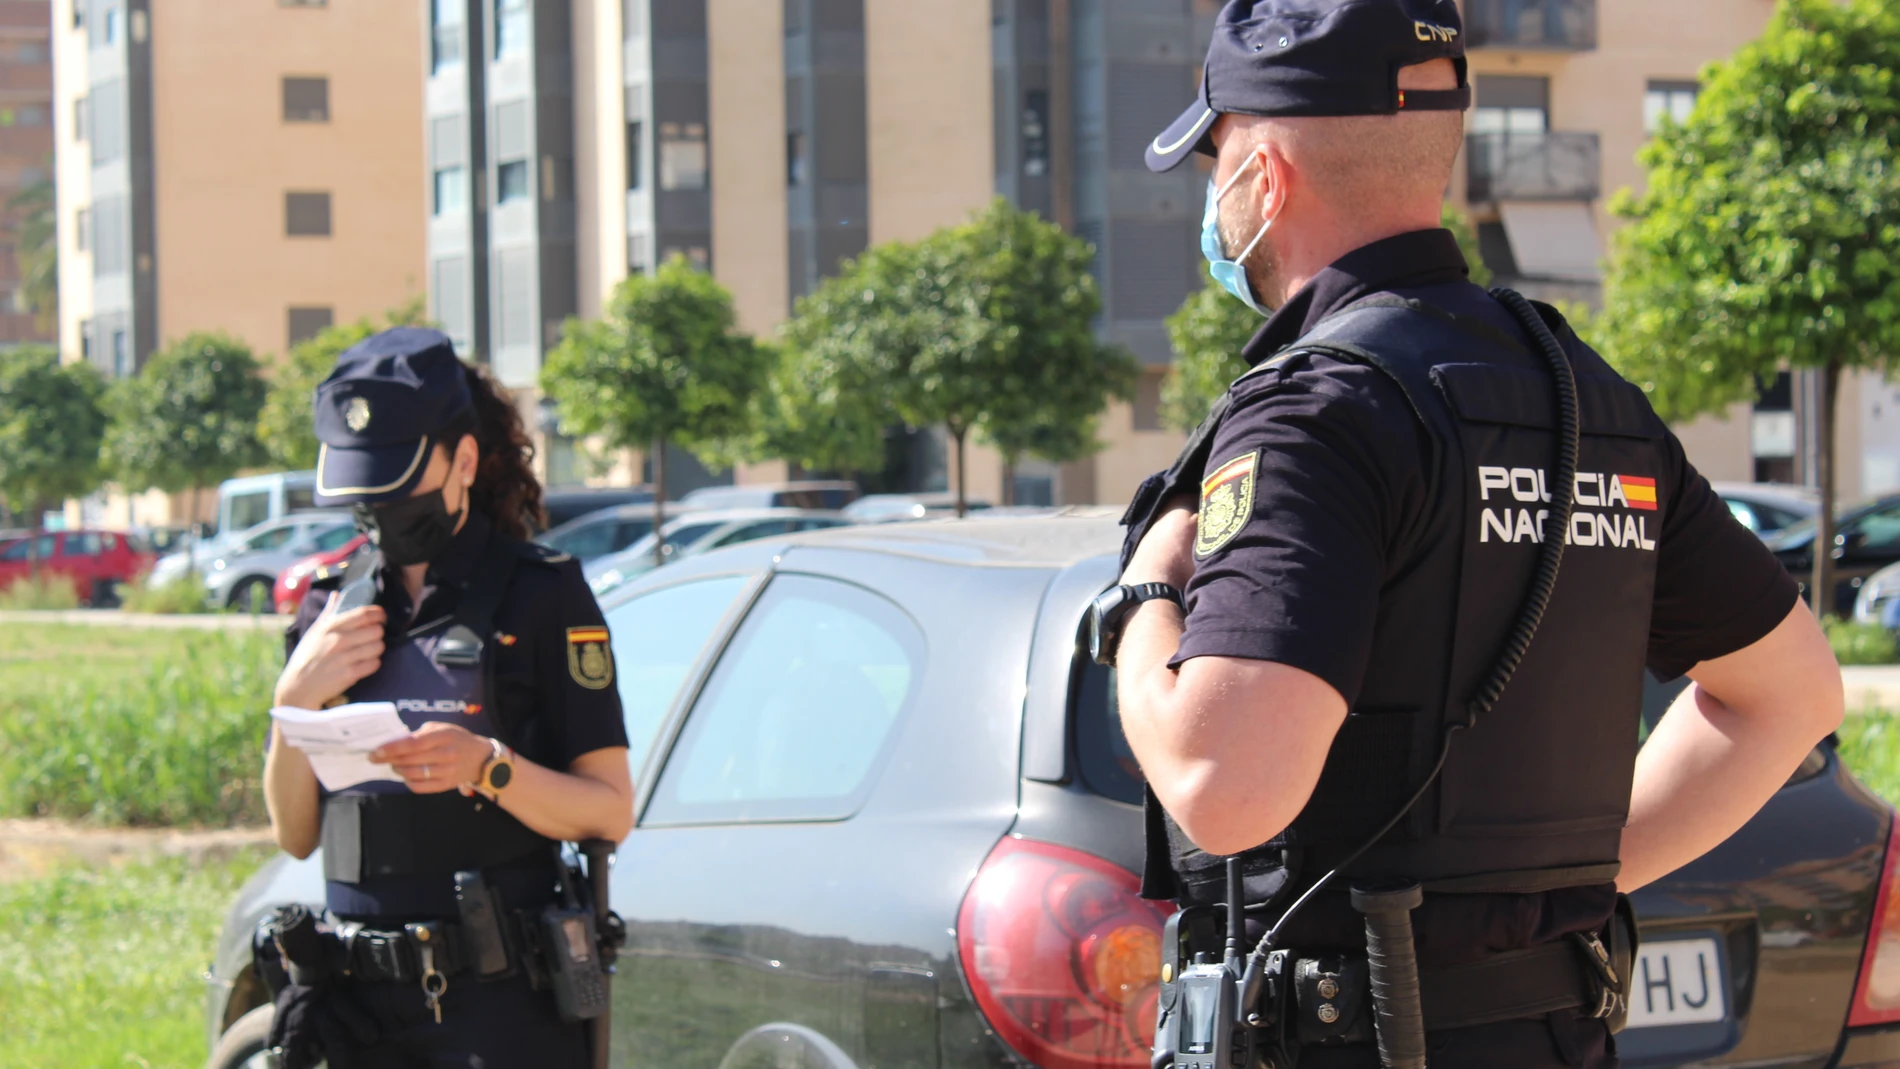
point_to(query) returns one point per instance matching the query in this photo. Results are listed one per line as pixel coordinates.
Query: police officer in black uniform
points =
(497, 657)
(1382, 632)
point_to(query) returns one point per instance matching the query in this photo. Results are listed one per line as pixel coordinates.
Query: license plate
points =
(1678, 982)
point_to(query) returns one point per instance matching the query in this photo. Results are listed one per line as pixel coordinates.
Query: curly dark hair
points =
(505, 488)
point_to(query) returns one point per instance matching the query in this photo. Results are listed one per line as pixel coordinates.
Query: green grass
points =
(178, 596)
(1859, 643)
(43, 592)
(99, 968)
(129, 726)
(1870, 747)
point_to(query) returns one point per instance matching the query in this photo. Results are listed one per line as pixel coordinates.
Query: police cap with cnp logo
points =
(391, 395)
(1317, 57)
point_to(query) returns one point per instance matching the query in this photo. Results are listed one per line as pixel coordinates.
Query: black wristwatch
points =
(1110, 609)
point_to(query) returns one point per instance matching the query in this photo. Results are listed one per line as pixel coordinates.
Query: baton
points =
(600, 859)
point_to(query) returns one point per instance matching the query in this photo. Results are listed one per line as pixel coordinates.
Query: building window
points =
(511, 28)
(307, 215)
(303, 3)
(82, 230)
(445, 34)
(511, 181)
(1673, 99)
(307, 323)
(682, 156)
(795, 158)
(121, 355)
(109, 27)
(1513, 105)
(635, 131)
(306, 99)
(1147, 406)
(79, 119)
(79, 14)
(30, 52)
(451, 189)
(85, 339)
(1036, 133)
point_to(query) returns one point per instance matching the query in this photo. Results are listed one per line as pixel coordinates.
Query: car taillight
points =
(1063, 956)
(1877, 992)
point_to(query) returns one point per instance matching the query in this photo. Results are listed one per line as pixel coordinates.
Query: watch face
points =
(500, 774)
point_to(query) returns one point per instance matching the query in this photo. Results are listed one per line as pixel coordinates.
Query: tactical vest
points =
(1535, 795)
(440, 670)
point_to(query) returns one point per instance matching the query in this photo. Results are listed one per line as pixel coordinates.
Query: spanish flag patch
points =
(1226, 502)
(1639, 492)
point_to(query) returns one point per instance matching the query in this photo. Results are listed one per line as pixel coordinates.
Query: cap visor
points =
(376, 473)
(1182, 138)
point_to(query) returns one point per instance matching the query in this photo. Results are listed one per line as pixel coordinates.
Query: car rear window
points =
(800, 712)
(1103, 756)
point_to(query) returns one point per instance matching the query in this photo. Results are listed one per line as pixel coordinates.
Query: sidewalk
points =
(115, 618)
(1872, 684)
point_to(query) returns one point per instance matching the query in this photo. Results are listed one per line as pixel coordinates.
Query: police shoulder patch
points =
(589, 660)
(1226, 503)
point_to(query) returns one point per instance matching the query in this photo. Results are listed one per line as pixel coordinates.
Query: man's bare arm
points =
(1232, 747)
(1727, 744)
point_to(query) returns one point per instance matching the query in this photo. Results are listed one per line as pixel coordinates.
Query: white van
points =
(249, 500)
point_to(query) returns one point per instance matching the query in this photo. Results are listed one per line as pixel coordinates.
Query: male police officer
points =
(1341, 552)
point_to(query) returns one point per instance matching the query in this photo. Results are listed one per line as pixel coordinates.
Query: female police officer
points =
(496, 657)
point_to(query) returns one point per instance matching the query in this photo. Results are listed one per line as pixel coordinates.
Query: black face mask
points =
(410, 531)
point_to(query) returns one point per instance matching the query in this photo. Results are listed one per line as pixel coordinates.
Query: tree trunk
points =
(963, 471)
(191, 535)
(1009, 479)
(38, 514)
(659, 501)
(1821, 581)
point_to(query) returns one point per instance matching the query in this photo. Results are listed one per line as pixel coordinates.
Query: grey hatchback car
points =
(887, 818)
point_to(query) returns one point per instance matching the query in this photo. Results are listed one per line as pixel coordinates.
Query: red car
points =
(96, 561)
(294, 583)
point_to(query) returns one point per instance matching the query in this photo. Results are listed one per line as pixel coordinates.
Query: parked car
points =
(1768, 508)
(248, 500)
(244, 575)
(893, 508)
(609, 530)
(1866, 539)
(809, 494)
(95, 561)
(698, 532)
(293, 583)
(887, 817)
(567, 503)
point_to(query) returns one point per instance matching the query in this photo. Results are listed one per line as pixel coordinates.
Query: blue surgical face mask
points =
(1231, 275)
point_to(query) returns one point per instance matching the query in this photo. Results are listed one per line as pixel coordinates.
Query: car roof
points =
(1059, 539)
(1772, 492)
(641, 510)
(725, 516)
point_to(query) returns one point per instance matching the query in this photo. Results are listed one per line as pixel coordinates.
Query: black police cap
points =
(1317, 57)
(390, 396)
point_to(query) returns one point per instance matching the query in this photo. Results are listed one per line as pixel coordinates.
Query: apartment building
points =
(573, 141)
(26, 146)
(253, 167)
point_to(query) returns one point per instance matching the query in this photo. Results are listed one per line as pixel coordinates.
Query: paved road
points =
(1872, 684)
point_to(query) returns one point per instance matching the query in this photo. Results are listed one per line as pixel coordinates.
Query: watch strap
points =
(1140, 592)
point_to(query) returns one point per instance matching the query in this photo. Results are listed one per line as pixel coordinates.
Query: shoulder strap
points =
(468, 638)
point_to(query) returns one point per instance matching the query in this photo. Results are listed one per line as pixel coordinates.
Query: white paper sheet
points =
(339, 741)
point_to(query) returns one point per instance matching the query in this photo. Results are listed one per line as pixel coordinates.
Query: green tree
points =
(285, 424)
(36, 251)
(51, 424)
(188, 419)
(1211, 326)
(1769, 233)
(665, 365)
(983, 327)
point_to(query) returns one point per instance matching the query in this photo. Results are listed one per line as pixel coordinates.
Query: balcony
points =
(1533, 166)
(1550, 25)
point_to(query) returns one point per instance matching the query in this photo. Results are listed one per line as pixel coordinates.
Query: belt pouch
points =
(342, 838)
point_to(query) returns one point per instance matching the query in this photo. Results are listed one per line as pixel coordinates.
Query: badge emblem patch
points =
(588, 659)
(356, 414)
(1226, 502)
